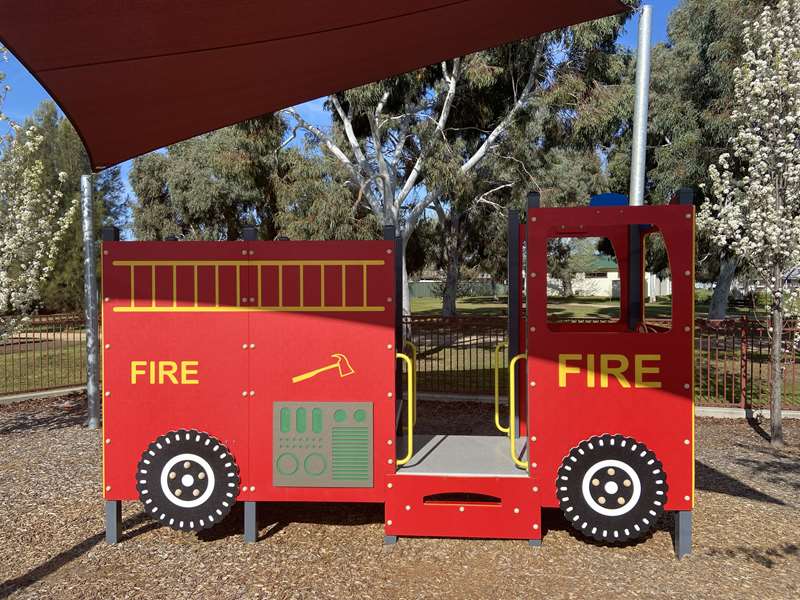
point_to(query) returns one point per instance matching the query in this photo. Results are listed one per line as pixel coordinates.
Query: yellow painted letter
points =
(618, 372)
(189, 368)
(641, 370)
(564, 370)
(136, 369)
(167, 368)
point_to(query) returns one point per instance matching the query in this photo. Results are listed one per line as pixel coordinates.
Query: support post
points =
(249, 233)
(635, 277)
(113, 521)
(683, 533)
(90, 301)
(514, 316)
(390, 235)
(640, 115)
(389, 540)
(535, 543)
(250, 524)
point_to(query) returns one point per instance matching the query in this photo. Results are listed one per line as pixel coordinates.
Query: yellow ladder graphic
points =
(256, 303)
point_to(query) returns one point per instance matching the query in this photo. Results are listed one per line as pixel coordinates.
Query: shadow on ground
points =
(11, 586)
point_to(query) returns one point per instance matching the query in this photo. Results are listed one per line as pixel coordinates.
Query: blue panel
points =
(609, 200)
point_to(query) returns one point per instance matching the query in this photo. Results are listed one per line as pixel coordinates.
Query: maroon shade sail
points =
(135, 75)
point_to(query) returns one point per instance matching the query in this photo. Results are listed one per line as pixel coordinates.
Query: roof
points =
(136, 76)
(602, 264)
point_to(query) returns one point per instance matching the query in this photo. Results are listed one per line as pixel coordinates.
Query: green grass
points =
(42, 366)
(568, 308)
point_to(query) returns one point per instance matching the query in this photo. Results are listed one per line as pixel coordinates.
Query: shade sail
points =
(135, 75)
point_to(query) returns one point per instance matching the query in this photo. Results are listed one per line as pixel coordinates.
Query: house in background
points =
(601, 279)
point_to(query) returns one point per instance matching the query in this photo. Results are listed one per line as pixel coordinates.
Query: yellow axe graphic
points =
(341, 363)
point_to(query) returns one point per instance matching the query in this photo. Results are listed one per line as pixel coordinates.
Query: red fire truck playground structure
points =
(268, 371)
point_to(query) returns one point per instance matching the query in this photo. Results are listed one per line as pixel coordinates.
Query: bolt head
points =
(687, 329)
(686, 386)
(389, 522)
(389, 442)
(390, 485)
(108, 488)
(252, 392)
(536, 488)
(108, 394)
(533, 274)
(687, 273)
(533, 438)
(533, 384)
(408, 507)
(390, 461)
(389, 395)
(388, 346)
(252, 488)
(516, 511)
(687, 442)
(460, 509)
(252, 346)
(105, 252)
(534, 465)
(244, 252)
(108, 440)
(106, 299)
(389, 300)
(535, 526)
(252, 299)
(687, 498)
(244, 394)
(108, 346)
(244, 346)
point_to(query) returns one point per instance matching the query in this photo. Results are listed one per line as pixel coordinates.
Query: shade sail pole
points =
(90, 301)
(640, 115)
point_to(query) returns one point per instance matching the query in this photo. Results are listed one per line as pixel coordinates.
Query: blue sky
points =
(26, 93)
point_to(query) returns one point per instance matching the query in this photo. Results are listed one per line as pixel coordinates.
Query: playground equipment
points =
(266, 371)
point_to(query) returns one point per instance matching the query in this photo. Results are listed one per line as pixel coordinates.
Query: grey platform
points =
(462, 456)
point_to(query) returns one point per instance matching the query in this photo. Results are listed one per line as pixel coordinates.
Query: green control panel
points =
(322, 444)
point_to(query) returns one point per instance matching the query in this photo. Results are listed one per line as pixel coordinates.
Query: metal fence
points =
(455, 356)
(731, 359)
(48, 352)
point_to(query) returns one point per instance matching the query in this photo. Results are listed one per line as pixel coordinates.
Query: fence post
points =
(743, 359)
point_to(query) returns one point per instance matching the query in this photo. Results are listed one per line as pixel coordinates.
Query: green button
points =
(339, 416)
(301, 420)
(316, 420)
(359, 415)
(286, 420)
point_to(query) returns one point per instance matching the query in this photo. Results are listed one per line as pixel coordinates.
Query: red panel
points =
(288, 344)
(515, 516)
(136, 414)
(176, 302)
(662, 419)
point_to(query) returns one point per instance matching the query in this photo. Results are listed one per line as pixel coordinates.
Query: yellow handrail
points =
(512, 409)
(413, 347)
(497, 387)
(411, 401)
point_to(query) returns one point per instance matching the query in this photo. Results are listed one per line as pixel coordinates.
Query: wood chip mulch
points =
(746, 526)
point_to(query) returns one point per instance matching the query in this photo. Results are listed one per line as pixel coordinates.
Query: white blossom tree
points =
(31, 224)
(754, 210)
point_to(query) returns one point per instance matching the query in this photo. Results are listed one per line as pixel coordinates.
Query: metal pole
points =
(640, 115)
(90, 300)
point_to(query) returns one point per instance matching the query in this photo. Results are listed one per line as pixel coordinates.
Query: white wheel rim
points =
(165, 480)
(611, 512)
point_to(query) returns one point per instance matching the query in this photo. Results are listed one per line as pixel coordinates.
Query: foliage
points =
(31, 226)
(209, 187)
(61, 151)
(755, 211)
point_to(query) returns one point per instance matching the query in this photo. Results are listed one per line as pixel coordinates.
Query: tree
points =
(755, 211)
(60, 150)
(31, 225)
(210, 186)
(425, 138)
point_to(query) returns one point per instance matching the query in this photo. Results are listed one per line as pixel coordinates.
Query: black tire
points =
(612, 488)
(187, 480)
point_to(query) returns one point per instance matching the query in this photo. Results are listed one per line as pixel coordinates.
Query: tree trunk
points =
(776, 371)
(566, 286)
(452, 245)
(406, 290)
(718, 308)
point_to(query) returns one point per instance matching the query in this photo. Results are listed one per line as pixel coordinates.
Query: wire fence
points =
(456, 355)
